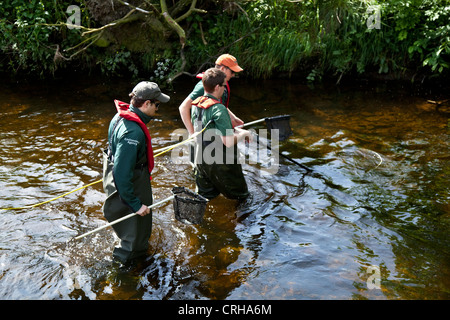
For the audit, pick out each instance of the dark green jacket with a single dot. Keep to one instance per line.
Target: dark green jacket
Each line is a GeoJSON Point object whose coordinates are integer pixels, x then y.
{"type": "Point", "coordinates": [221, 174]}
{"type": "Point", "coordinates": [127, 146]}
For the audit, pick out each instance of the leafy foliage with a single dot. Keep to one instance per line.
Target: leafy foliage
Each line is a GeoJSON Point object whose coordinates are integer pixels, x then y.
{"type": "Point", "coordinates": [336, 37]}
{"type": "Point", "coordinates": [309, 37]}
{"type": "Point", "coordinates": [30, 36]}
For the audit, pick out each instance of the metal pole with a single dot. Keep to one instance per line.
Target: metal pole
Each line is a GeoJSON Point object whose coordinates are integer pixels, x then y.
{"type": "Point", "coordinates": [250, 123]}
{"type": "Point", "coordinates": [121, 219]}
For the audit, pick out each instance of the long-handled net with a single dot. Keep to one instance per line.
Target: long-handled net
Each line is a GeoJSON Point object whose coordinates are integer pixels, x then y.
{"type": "Point", "coordinates": [188, 206]}
{"type": "Point", "coordinates": [361, 158]}
{"type": "Point", "coordinates": [280, 123]}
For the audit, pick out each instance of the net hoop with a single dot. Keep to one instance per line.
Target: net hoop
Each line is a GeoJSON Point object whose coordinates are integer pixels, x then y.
{"type": "Point", "coordinates": [280, 123]}
{"type": "Point", "coordinates": [188, 206]}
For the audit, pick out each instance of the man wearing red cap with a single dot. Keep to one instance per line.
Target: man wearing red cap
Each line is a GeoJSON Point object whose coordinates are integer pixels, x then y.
{"type": "Point", "coordinates": [228, 64]}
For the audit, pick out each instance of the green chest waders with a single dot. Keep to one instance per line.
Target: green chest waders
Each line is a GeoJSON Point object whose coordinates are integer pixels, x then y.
{"type": "Point", "coordinates": [219, 178]}
{"type": "Point", "coordinates": [134, 232]}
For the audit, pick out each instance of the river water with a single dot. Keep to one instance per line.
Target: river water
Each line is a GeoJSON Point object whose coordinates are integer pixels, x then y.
{"type": "Point", "coordinates": [371, 221]}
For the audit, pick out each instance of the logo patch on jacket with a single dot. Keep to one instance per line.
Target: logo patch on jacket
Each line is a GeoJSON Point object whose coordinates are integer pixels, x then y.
{"type": "Point", "coordinates": [132, 141]}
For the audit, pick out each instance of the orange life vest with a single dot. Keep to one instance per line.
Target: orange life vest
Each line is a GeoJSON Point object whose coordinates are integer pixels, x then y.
{"type": "Point", "coordinates": [205, 102]}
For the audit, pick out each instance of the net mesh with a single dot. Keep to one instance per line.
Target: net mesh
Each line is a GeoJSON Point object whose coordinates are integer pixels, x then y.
{"type": "Point", "coordinates": [280, 123]}
{"type": "Point", "coordinates": [188, 205]}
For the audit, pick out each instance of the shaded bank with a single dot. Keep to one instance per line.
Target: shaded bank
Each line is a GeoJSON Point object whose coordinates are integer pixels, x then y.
{"type": "Point", "coordinates": [151, 39]}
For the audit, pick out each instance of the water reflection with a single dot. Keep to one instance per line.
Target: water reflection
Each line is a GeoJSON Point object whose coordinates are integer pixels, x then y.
{"type": "Point", "coordinates": [377, 196]}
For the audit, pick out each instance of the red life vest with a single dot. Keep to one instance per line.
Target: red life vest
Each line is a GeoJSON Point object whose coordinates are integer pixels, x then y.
{"type": "Point", "coordinates": [200, 75]}
{"type": "Point", "coordinates": [124, 112]}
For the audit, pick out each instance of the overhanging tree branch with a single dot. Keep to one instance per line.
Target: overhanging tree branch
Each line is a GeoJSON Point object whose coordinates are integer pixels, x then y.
{"type": "Point", "coordinates": [127, 18]}
{"type": "Point", "coordinates": [172, 23]}
{"type": "Point", "coordinates": [92, 35]}
{"type": "Point", "coordinates": [189, 12]}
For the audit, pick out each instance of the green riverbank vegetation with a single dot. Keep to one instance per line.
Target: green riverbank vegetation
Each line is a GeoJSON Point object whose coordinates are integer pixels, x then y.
{"type": "Point", "coordinates": [163, 39]}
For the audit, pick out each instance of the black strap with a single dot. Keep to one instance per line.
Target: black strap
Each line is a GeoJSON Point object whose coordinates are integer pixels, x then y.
{"type": "Point", "coordinates": [110, 155]}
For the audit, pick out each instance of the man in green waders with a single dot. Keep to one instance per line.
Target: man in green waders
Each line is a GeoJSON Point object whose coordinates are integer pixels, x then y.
{"type": "Point", "coordinates": [127, 165]}
{"type": "Point", "coordinates": [217, 170]}
{"type": "Point", "coordinates": [229, 65]}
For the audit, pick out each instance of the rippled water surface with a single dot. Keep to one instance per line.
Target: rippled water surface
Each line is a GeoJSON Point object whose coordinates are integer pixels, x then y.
{"type": "Point", "coordinates": [375, 206]}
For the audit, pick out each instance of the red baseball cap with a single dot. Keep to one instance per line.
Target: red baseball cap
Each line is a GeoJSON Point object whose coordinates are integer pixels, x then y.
{"type": "Point", "coordinates": [229, 61]}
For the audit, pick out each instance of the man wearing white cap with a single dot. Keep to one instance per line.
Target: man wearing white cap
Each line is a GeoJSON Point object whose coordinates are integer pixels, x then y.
{"type": "Point", "coordinates": [127, 165]}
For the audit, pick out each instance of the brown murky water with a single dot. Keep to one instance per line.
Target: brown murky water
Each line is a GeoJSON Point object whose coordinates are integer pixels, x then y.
{"type": "Point", "coordinates": [370, 222]}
